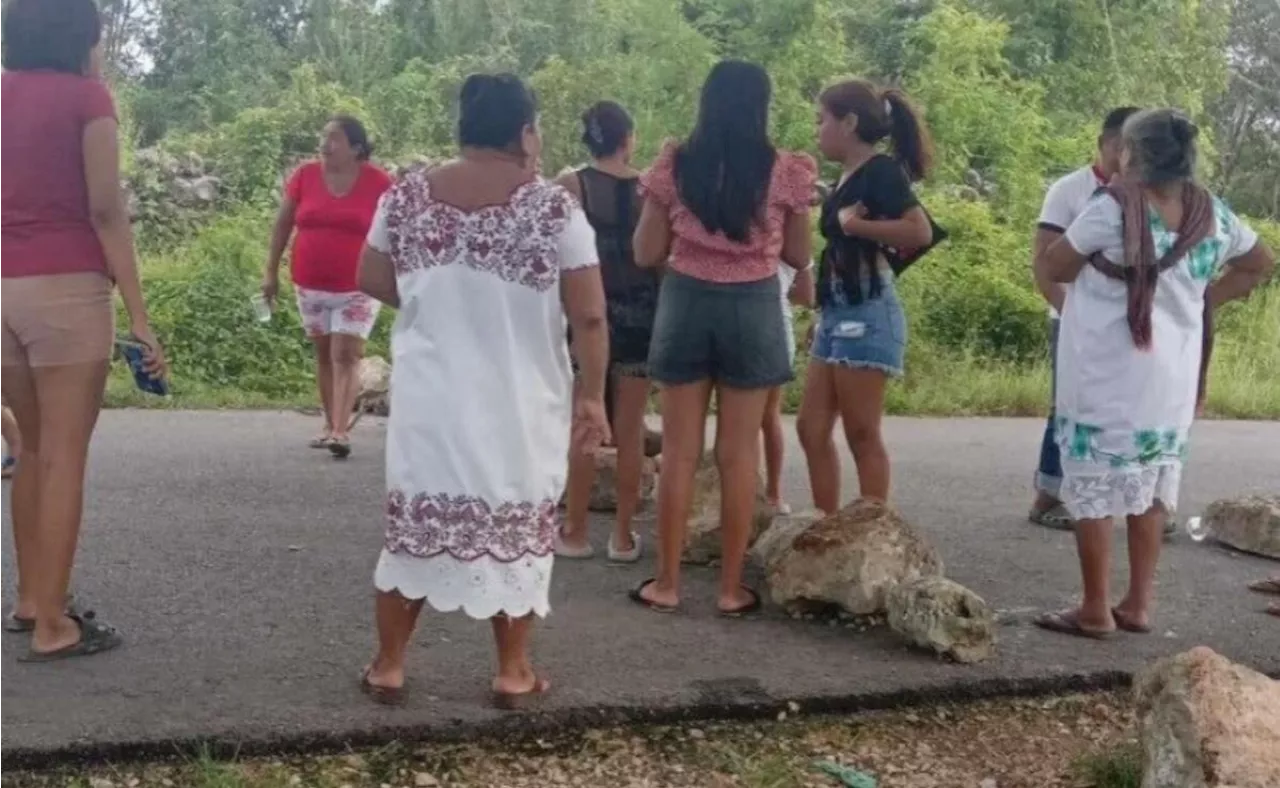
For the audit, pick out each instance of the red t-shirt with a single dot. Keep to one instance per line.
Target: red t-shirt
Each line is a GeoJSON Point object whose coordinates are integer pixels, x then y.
{"type": "Point", "coordinates": [330, 231]}
{"type": "Point", "coordinates": [44, 224]}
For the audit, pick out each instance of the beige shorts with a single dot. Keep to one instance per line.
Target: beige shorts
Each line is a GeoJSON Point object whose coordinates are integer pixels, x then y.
{"type": "Point", "coordinates": [52, 321]}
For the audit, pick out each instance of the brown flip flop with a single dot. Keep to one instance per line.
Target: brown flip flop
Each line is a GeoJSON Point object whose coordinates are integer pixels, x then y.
{"type": "Point", "coordinates": [1128, 624]}
{"type": "Point", "coordinates": [385, 696]}
{"type": "Point", "coordinates": [1269, 586]}
{"type": "Point", "coordinates": [1068, 623]}
{"type": "Point", "coordinates": [522, 701]}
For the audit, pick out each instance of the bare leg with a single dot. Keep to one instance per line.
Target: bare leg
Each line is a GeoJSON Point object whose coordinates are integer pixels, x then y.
{"type": "Point", "coordinates": [774, 447]}
{"type": "Point", "coordinates": [684, 417]}
{"type": "Point", "coordinates": [860, 393]}
{"type": "Point", "coordinates": [69, 399]}
{"type": "Point", "coordinates": [631, 399]}
{"type": "Point", "coordinates": [324, 379]}
{"type": "Point", "coordinates": [515, 669]}
{"type": "Point", "coordinates": [24, 495]}
{"type": "Point", "coordinates": [1093, 542]}
{"type": "Point", "coordinates": [815, 426]}
{"type": "Point", "coordinates": [1146, 533]}
{"type": "Point", "coordinates": [582, 477]}
{"type": "Point", "coordinates": [396, 618]}
{"type": "Point", "coordinates": [347, 351]}
{"type": "Point", "coordinates": [738, 422]}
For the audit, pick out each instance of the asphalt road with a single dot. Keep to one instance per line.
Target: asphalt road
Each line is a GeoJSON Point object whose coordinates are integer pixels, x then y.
{"type": "Point", "coordinates": [238, 565]}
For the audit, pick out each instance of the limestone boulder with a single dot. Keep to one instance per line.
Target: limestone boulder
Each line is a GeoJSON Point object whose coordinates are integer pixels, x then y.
{"type": "Point", "coordinates": [702, 535]}
{"type": "Point", "coordinates": [851, 559]}
{"type": "Point", "coordinates": [776, 540]}
{"type": "Point", "coordinates": [604, 492]}
{"type": "Point", "coordinates": [1249, 524]}
{"type": "Point", "coordinates": [943, 616]}
{"type": "Point", "coordinates": [374, 376]}
{"type": "Point", "coordinates": [1206, 722]}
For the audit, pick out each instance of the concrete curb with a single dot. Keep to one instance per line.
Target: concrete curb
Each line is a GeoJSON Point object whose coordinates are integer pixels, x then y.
{"type": "Point", "coordinates": [718, 702]}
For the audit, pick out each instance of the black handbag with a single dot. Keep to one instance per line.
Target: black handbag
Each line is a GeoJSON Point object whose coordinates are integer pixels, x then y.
{"type": "Point", "coordinates": [901, 259]}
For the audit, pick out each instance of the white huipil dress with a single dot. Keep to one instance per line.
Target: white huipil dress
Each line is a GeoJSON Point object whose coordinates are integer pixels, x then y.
{"type": "Point", "coordinates": [478, 437]}
{"type": "Point", "coordinates": [1124, 414]}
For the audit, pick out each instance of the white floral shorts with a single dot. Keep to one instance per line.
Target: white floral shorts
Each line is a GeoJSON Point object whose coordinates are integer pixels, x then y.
{"type": "Point", "coordinates": [336, 313]}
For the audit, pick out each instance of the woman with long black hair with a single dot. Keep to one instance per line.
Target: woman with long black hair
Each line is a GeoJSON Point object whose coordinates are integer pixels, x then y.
{"type": "Point", "coordinates": [721, 209]}
{"type": "Point", "coordinates": [860, 338]}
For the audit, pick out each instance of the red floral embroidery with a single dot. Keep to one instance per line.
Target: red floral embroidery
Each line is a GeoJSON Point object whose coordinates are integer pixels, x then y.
{"type": "Point", "coordinates": [517, 241]}
{"type": "Point", "coordinates": [467, 527]}
{"type": "Point", "coordinates": [358, 310]}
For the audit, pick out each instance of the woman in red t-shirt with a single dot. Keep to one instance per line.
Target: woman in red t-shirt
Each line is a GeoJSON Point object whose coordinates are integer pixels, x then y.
{"type": "Point", "coordinates": [67, 241]}
{"type": "Point", "coordinates": [331, 203]}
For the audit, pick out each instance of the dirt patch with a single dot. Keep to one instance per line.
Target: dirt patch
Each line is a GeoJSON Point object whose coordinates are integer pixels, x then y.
{"type": "Point", "coordinates": [1030, 743]}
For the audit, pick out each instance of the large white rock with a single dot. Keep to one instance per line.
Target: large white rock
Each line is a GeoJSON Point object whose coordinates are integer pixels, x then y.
{"type": "Point", "coordinates": [941, 615]}
{"type": "Point", "coordinates": [374, 376]}
{"type": "Point", "coordinates": [851, 559]}
{"type": "Point", "coordinates": [776, 540]}
{"type": "Point", "coordinates": [604, 491]}
{"type": "Point", "coordinates": [702, 533]}
{"type": "Point", "coordinates": [1248, 524]}
{"type": "Point", "coordinates": [1206, 722]}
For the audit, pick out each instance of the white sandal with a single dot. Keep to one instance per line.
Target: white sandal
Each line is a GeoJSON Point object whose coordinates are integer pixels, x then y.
{"type": "Point", "coordinates": [617, 556]}
{"type": "Point", "coordinates": [576, 553]}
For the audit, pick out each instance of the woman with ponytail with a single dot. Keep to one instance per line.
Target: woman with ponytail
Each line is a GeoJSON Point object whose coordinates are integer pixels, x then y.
{"type": "Point", "coordinates": [1141, 263]}
{"type": "Point", "coordinates": [608, 190]}
{"type": "Point", "coordinates": [869, 215]}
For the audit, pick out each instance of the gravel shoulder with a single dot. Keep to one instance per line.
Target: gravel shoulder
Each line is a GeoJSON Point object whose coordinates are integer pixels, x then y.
{"type": "Point", "coordinates": [1029, 743]}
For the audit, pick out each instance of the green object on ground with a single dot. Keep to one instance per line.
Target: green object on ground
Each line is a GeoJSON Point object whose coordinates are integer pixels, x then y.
{"type": "Point", "coordinates": [847, 775]}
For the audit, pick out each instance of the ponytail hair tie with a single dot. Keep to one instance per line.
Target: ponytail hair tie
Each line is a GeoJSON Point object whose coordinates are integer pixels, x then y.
{"type": "Point", "coordinates": [888, 108]}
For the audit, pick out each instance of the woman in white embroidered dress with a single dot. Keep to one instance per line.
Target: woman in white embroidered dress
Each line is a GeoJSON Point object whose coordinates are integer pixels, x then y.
{"type": "Point", "coordinates": [483, 259]}
{"type": "Point", "coordinates": [1140, 262]}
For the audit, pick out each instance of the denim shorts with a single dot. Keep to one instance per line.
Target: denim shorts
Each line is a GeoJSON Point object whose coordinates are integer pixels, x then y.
{"type": "Point", "coordinates": [871, 334]}
{"type": "Point", "coordinates": [732, 334]}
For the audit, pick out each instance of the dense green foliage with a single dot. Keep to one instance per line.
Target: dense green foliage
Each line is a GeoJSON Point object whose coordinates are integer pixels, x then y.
{"type": "Point", "coordinates": [1013, 91]}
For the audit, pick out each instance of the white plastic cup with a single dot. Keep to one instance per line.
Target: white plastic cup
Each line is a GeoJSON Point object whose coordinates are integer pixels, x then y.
{"type": "Point", "coordinates": [1197, 530]}
{"type": "Point", "coordinates": [261, 308]}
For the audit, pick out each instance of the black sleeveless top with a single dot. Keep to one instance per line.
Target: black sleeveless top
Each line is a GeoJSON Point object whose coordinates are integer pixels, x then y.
{"type": "Point", "coordinates": [612, 206]}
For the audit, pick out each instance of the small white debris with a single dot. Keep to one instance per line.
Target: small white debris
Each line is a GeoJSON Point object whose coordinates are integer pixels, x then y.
{"type": "Point", "coordinates": [424, 780]}
{"type": "Point", "coordinates": [696, 733]}
{"type": "Point", "coordinates": [793, 707]}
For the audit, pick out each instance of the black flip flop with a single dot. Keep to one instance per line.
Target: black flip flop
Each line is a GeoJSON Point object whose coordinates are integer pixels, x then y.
{"type": "Point", "coordinates": [1068, 623]}
{"type": "Point", "coordinates": [636, 596]}
{"type": "Point", "coordinates": [385, 696]}
{"type": "Point", "coordinates": [522, 701]}
{"type": "Point", "coordinates": [95, 637]}
{"type": "Point", "coordinates": [753, 606]}
{"type": "Point", "coordinates": [340, 449]}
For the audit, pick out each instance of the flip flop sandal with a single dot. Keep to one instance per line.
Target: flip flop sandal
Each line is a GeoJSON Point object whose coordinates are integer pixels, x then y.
{"type": "Point", "coordinates": [385, 696]}
{"type": "Point", "coordinates": [564, 550]}
{"type": "Point", "coordinates": [1273, 610]}
{"type": "Point", "coordinates": [1268, 586]}
{"type": "Point", "coordinates": [1068, 623]}
{"type": "Point", "coordinates": [625, 556]}
{"type": "Point", "coordinates": [636, 595]}
{"type": "Point", "coordinates": [16, 623]}
{"type": "Point", "coordinates": [1055, 517]}
{"type": "Point", "coordinates": [95, 637]}
{"type": "Point", "coordinates": [753, 606]}
{"type": "Point", "coordinates": [320, 442]}
{"type": "Point", "coordinates": [1128, 624]}
{"type": "Point", "coordinates": [522, 701]}
{"type": "Point", "coordinates": [340, 449]}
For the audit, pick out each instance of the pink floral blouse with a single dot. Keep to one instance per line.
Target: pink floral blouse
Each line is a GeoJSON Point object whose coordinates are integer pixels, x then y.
{"type": "Point", "coordinates": [713, 257]}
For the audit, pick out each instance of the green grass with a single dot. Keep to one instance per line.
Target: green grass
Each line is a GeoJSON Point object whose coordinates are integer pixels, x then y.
{"type": "Point", "coordinates": [1117, 768]}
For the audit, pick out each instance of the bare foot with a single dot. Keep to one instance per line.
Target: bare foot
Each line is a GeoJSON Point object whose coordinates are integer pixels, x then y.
{"type": "Point", "coordinates": [381, 675]}
{"type": "Point", "coordinates": [1044, 502]}
{"type": "Point", "coordinates": [67, 633]}
{"type": "Point", "coordinates": [522, 683]}
{"type": "Point", "coordinates": [651, 594]}
{"type": "Point", "coordinates": [743, 600]}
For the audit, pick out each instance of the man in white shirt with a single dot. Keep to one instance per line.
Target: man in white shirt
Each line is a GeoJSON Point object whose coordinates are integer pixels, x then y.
{"type": "Point", "coordinates": [1064, 201]}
